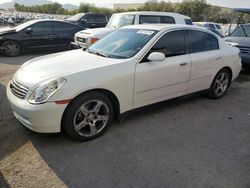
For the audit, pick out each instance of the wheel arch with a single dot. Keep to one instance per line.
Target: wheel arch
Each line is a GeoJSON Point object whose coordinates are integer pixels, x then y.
{"type": "Point", "coordinates": [112, 97]}
{"type": "Point", "coordinates": [228, 69]}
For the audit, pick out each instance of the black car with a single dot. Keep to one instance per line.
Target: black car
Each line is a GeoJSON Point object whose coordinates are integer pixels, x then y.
{"type": "Point", "coordinates": [89, 20]}
{"type": "Point", "coordinates": [240, 38]}
{"type": "Point", "coordinates": [37, 35]}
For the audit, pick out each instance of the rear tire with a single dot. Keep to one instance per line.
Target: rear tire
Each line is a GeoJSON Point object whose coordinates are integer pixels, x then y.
{"type": "Point", "coordinates": [220, 84]}
{"type": "Point", "coordinates": [88, 116]}
{"type": "Point", "coordinates": [12, 48]}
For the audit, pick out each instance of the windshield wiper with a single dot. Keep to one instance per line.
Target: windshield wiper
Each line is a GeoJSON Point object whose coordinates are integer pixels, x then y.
{"type": "Point", "coordinates": [99, 53]}
{"type": "Point", "coordinates": [243, 28]}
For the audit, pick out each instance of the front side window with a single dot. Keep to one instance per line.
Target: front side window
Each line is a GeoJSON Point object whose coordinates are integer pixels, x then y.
{"type": "Point", "coordinates": [147, 19]}
{"type": "Point", "coordinates": [241, 31]}
{"type": "Point", "coordinates": [42, 27]}
{"type": "Point", "coordinates": [200, 41]}
{"type": "Point", "coordinates": [171, 44]}
{"type": "Point", "coordinates": [123, 43]}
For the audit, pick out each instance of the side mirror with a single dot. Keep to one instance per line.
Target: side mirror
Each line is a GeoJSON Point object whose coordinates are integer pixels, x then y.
{"type": "Point", "coordinates": [156, 56]}
{"type": "Point", "coordinates": [83, 20]}
{"type": "Point", "coordinates": [29, 30]}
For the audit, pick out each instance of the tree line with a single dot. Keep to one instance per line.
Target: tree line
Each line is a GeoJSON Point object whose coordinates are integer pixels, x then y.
{"type": "Point", "coordinates": [198, 10]}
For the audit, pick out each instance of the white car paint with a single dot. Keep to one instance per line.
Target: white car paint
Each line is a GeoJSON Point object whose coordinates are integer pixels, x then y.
{"type": "Point", "coordinates": [101, 32]}
{"type": "Point", "coordinates": [134, 84]}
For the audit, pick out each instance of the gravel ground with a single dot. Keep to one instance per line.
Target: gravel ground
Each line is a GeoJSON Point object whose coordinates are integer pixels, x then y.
{"type": "Point", "coordinates": [191, 142]}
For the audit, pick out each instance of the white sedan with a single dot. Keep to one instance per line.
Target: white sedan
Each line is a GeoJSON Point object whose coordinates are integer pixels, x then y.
{"type": "Point", "coordinates": [80, 92]}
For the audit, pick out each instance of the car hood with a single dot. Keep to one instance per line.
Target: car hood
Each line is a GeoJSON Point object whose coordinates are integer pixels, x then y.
{"type": "Point", "coordinates": [7, 30]}
{"type": "Point", "coordinates": [98, 32]}
{"type": "Point", "coordinates": [242, 41]}
{"type": "Point", "coordinates": [59, 65]}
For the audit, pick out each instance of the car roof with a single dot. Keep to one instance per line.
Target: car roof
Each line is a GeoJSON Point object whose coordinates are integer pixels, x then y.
{"type": "Point", "coordinates": [51, 20]}
{"type": "Point", "coordinates": [154, 13]}
{"type": "Point", "coordinates": [159, 27]}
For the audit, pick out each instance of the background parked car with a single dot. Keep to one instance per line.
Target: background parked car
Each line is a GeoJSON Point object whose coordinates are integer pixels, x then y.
{"type": "Point", "coordinates": [85, 38]}
{"type": "Point", "coordinates": [37, 35]}
{"type": "Point", "coordinates": [210, 25]}
{"type": "Point", "coordinates": [241, 39]}
{"type": "Point", "coordinates": [89, 20]}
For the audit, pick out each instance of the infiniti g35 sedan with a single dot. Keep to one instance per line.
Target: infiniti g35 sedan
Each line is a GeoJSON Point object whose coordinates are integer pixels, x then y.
{"type": "Point", "coordinates": [80, 92]}
{"type": "Point", "coordinates": [37, 35]}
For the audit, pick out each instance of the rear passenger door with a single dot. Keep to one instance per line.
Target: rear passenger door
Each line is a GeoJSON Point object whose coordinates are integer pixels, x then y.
{"type": "Point", "coordinates": [205, 55]}
{"type": "Point", "coordinates": [63, 34]}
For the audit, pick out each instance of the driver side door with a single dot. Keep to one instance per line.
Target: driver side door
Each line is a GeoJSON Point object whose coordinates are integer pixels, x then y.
{"type": "Point", "coordinates": [161, 80]}
{"type": "Point", "coordinates": [40, 36]}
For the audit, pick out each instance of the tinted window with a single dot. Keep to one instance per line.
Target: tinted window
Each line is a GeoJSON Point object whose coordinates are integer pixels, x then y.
{"type": "Point", "coordinates": [167, 19]}
{"type": "Point", "coordinates": [42, 27]}
{"type": "Point", "coordinates": [239, 32]}
{"type": "Point", "coordinates": [218, 26]}
{"type": "Point", "coordinates": [209, 26]}
{"type": "Point", "coordinates": [188, 22]}
{"type": "Point", "coordinates": [99, 18]}
{"type": "Point", "coordinates": [171, 44]}
{"type": "Point", "coordinates": [63, 27]}
{"type": "Point", "coordinates": [201, 41]}
{"type": "Point", "coordinates": [147, 19]}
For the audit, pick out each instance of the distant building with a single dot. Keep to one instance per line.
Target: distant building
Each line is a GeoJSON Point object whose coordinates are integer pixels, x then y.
{"type": "Point", "coordinates": [127, 6]}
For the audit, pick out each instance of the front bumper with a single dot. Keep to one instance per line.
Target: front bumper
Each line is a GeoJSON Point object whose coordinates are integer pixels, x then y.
{"type": "Point", "coordinates": [76, 45]}
{"type": "Point", "coordinates": [42, 118]}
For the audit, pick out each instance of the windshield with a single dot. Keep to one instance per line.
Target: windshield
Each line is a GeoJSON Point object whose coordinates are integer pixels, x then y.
{"type": "Point", "coordinates": [241, 31]}
{"type": "Point", "coordinates": [122, 44]}
{"type": "Point", "coordinates": [24, 25]}
{"type": "Point", "coordinates": [120, 20]}
{"type": "Point", "coordinates": [76, 17]}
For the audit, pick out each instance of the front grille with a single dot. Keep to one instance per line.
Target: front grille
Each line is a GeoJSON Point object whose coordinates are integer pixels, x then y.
{"type": "Point", "coordinates": [244, 50]}
{"type": "Point", "coordinates": [18, 90]}
{"type": "Point", "coordinates": [82, 40]}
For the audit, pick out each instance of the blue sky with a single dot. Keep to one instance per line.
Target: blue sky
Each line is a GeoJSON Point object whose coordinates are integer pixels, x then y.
{"type": "Point", "coordinates": [109, 3]}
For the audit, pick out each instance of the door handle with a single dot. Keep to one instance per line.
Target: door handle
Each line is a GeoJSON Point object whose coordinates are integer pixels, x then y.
{"type": "Point", "coordinates": [218, 57]}
{"type": "Point", "coordinates": [182, 64]}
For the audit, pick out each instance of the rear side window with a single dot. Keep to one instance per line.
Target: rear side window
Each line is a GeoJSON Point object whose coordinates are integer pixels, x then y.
{"type": "Point", "coordinates": [99, 18]}
{"type": "Point", "coordinates": [93, 18]}
{"type": "Point", "coordinates": [64, 27]}
{"type": "Point", "coordinates": [218, 26]}
{"type": "Point", "coordinates": [171, 44]}
{"type": "Point", "coordinates": [200, 42]}
{"type": "Point", "coordinates": [209, 26]}
{"type": "Point", "coordinates": [188, 22]}
{"type": "Point", "coordinates": [147, 19]}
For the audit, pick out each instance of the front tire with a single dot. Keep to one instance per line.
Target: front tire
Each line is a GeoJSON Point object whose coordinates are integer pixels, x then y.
{"type": "Point", "coordinates": [12, 48]}
{"type": "Point", "coordinates": [88, 116]}
{"type": "Point", "coordinates": [220, 84]}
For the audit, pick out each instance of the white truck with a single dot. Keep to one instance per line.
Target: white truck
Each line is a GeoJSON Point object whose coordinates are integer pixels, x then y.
{"type": "Point", "coordinates": [85, 38]}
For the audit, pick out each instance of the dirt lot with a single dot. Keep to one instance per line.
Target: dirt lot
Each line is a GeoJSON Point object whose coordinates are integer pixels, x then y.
{"type": "Point", "coordinates": [191, 142]}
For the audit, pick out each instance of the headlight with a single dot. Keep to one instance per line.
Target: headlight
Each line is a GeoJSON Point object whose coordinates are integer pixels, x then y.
{"type": "Point", "coordinates": [45, 90]}
{"type": "Point", "coordinates": [233, 43]}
